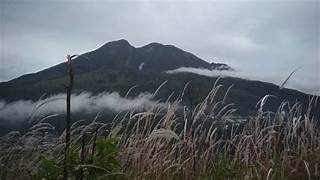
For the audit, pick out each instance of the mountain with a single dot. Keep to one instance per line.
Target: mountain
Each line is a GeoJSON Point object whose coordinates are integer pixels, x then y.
{"type": "Point", "coordinates": [118, 66]}
{"type": "Point", "coordinates": [109, 61]}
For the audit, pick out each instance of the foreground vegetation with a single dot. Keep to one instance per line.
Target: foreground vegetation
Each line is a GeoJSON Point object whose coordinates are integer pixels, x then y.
{"type": "Point", "coordinates": [173, 142]}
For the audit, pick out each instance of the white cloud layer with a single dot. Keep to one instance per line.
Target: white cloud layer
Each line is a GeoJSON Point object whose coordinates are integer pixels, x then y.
{"type": "Point", "coordinates": [85, 103]}
{"type": "Point", "coordinates": [269, 77]}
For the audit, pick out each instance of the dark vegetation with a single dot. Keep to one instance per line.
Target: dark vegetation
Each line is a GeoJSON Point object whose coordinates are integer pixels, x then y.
{"type": "Point", "coordinates": [174, 142]}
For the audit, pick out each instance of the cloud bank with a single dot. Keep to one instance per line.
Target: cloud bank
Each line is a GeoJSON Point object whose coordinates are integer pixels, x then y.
{"type": "Point", "coordinates": [85, 103]}
{"type": "Point", "coordinates": [293, 82]}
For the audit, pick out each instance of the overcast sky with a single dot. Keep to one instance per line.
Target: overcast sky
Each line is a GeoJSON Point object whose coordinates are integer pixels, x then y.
{"type": "Point", "coordinates": [267, 39]}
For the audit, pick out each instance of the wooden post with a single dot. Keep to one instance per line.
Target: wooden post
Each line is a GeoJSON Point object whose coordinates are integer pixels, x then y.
{"type": "Point", "coordinates": [68, 119]}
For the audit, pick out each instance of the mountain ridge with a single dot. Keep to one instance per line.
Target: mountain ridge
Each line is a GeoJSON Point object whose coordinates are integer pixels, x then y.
{"type": "Point", "coordinates": [131, 56]}
{"type": "Point", "coordinates": [117, 66]}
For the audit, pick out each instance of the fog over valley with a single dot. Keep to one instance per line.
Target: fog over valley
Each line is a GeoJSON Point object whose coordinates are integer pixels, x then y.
{"type": "Point", "coordinates": [84, 103]}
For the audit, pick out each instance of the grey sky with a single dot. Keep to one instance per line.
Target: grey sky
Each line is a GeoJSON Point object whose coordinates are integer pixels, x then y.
{"type": "Point", "coordinates": [267, 39]}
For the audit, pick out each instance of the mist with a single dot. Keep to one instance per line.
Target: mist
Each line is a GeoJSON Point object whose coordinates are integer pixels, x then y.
{"type": "Point", "coordinates": [295, 81]}
{"type": "Point", "coordinates": [85, 102]}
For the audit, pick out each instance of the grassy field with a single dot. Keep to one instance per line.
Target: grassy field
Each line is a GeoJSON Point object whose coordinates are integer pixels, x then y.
{"type": "Point", "coordinates": [208, 141]}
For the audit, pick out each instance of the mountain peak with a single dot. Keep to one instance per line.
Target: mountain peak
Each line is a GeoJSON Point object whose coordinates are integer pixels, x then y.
{"type": "Point", "coordinates": [117, 43]}
{"type": "Point", "coordinates": [157, 45]}
{"type": "Point", "coordinates": [153, 44]}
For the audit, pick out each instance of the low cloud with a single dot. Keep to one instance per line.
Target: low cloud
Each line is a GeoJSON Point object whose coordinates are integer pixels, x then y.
{"type": "Point", "coordinates": [215, 73]}
{"type": "Point", "coordinates": [294, 82]}
{"type": "Point", "coordinates": [85, 103]}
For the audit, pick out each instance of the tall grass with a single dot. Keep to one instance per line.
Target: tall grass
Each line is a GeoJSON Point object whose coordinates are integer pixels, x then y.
{"type": "Point", "coordinates": [211, 143]}
{"type": "Point", "coordinates": [176, 142]}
